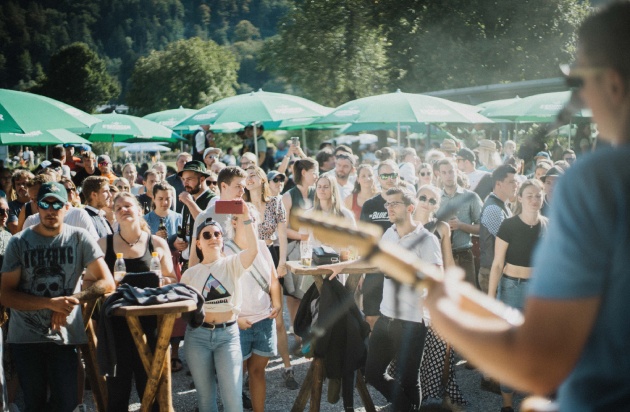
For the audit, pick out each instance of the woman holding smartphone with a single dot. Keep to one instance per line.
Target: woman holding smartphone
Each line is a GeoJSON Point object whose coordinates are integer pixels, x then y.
{"type": "Point", "coordinates": [213, 350]}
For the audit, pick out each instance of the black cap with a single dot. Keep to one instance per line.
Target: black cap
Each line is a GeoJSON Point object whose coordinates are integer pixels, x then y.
{"type": "Point", "coordinates": [195, 166]}
{"type": "Point", "coordinates": [467, 154]}
{"type": "Point", "coordinates": [554, 172]}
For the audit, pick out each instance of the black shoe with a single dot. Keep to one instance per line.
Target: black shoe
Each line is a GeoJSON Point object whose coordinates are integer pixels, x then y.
{"type": "Point", "coordinates": [289, 379]}
{"type": "Point", "coordinates": [247, 403]}
{"type": "Point", "coordinates": [507, 409]}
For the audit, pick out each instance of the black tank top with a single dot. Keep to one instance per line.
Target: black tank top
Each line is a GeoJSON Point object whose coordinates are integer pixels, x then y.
{"type": "Point", "coordinates": [133, 265]}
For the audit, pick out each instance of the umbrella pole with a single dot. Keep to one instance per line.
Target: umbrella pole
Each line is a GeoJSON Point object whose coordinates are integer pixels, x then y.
{"type": "Point", "coordinates": [570, 130]}
{"type": "Point", "coordinates": [256, 144]}
{"type": "Point", "coordinates": [304, 140]}
{"type": "Point", "coordinates": [398, 134]}
{"type": "Point", "coordinates": [428, 137]}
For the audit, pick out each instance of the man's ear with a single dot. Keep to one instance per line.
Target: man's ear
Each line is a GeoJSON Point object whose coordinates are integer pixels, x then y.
{"type": "Point", "coordinates": [617, 86]}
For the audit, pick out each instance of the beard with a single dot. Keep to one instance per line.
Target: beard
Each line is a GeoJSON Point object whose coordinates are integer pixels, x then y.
{"type": "Point", "coordinates": [192, 190]}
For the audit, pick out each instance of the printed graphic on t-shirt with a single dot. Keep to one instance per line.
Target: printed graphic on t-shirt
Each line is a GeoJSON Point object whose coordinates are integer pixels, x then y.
{"type": "Point", "coordinates": [214, 292]}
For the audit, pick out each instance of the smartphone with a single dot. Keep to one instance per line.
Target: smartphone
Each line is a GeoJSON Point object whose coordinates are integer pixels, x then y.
{"type": "Point", "coordinates": [229, 207]}
{"type": "Point", "coordinates": [295, 141]}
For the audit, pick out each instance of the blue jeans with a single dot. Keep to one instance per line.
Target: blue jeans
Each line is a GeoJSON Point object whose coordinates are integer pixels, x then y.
{"type": "Point", "coordinates": [215, 354]}
{"type": "Point", "coordinates": [40, 365]}
{"type": "Point", "coordinates": [512, 292]}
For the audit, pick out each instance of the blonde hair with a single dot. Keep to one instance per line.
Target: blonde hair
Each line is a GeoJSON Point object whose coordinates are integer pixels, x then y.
{"type": "Point", "coordinates": [143, 224]}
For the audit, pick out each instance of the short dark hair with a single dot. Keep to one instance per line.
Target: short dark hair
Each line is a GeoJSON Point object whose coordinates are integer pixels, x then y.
{"type": "Point", "coordinates": [445, 161]}
{"type": "Point", "coordinates": [323, 156]}
{"type": "Point", "coordinates": [58, 152]}
{"type": "Point", "coordinates": [501, 173]}
{"type": "Point", "coordinates": [227, 174]}
{"type": "Point", "coordinates": [407, 197]}
{"type": "Point", "coordinates": [343, 148]}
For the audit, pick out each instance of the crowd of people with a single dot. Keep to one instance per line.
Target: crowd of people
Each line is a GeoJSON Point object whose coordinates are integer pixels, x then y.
{"type": "Point", "coordinates": [478, 208]}
{"type": "Point", "coordinates": [437, 205]}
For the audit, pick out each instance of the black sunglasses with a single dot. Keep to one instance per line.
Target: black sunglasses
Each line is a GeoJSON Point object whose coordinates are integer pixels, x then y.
{"type": "Point", "coordinates": [278, 179]}
{"type": "Point", "coordinates": [209, 235]}
{"type": "Point", "coordinates": [432, 201]}
{"type": "Point", "coordinates": [56, 205]}
{"type": "Point", "coordinates": [213, 182]}
{"type": "Point", "coordinates": [4, 212]}
{"type": "Point", "coordinates": [425, 174]}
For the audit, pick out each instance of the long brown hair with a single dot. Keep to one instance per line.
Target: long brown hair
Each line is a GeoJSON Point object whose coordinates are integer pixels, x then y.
{"type": "Point", "coordinates": [335, 198]}
{"type": "Point", "coordinates": [357, 185]}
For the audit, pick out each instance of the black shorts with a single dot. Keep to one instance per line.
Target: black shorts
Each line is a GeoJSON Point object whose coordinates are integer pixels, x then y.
{"type": "Point", "coordinates": [372, 293]}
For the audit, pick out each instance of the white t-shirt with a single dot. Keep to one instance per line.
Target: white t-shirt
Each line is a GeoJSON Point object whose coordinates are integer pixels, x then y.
{"type": "Point", "coordinates": [256, 304]}
{"type": "Point", "coordinates": [475, 177]}
{"type": "Point", "coordinates": [76, 217]}
{"type": "Point", "coordinates": [219, 283]}
{"type": "Point", "coordinates": [408, 173]}
{"type": "Point", "coordinates": [407, 303]}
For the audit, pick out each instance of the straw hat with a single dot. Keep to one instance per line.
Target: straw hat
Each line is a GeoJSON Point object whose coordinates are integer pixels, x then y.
{"type": "Point", "coordinates": [448, 145]}
{"type": "Point", "coordinates": [487, 144]}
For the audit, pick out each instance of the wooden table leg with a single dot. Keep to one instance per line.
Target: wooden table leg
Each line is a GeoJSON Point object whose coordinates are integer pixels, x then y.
{"type": "Point", "coordinates": [97, 381]}
{"type": "Point", "coordinates": [318, 381]}
{"type": "Point", "coordinates": [303, 394]}
{"type": "Point", "coordinates": [154, 364]}
{"type": "Point", "coordinates": [364, 394]}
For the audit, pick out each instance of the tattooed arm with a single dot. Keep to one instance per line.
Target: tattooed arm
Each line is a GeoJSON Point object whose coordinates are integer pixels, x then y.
{"type": "Point", "coordinates": [97, 281]}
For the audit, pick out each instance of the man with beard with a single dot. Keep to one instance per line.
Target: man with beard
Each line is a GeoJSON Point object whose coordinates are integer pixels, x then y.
{"type": "Point", "coordinates": [40, 273]}
{"type": "Point", "coordinates": [97, 197]}
{"type": "Point", "coordinates": [19, 179]}
{"type": "Point", "coordinates": [344, 168]}
{"type": "Point", "coordinates": [195, 199]}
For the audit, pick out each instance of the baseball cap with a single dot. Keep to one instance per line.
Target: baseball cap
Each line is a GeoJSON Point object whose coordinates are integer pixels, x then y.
{"type": "Point", "coordinates": [208, 222]}
{"type": "Point", "coordinates": [553, 172]}
{"type": "Point", "coordinates": [53, 189]}
{"type": "Point", "coordinates": [467, 154]}
{"type": "Point", "coordinates": [272, 174]}
{"type": "Point", "coordinates": [542, 154]}
{"type": "Point", "coordinates": [103, 159]}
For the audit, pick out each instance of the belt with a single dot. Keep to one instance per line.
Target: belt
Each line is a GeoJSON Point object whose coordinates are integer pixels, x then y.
{"type": "Point", "coordinates": [457, 252]}
{"type": "Point", "coordinates": [515, 279]}
{"type": "Point", "coordinates": [217, 325]}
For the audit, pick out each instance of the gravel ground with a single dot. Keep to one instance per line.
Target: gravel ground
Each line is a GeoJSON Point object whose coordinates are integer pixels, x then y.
{"type": "Point", "coordinates": [280, 399]}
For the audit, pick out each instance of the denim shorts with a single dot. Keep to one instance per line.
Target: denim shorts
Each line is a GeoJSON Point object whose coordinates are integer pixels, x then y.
{"type": "Point", "coordinates": [259, 339]}
{"type": "Point", "coordinates": [512, 291]}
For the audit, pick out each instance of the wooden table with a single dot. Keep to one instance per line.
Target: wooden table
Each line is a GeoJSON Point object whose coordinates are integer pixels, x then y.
{"type": "Point", "coordinates": [314, 380]}
{"type": "Point", "coordinates": [158, 364]}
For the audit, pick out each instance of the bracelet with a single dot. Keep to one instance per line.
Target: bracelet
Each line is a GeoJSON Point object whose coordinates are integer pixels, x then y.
{"type": "Point", "coordinates": [247, 222]}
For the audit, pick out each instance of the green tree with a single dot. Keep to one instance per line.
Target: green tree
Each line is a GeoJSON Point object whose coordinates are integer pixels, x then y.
{"type": "Point", "coordinates": [77, 76]}
{"type": "Point", "coordinates": [330, 50]}
{"type": "Point", "coordinates": [192, 73]}
{"type": "Point", "coordinates": [461, 43]}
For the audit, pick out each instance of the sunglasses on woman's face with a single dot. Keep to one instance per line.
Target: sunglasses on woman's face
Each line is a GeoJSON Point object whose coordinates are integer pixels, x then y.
{"type": "Point", "coordinates": [423, 174]}
{"type": "Point", "coordinates": [278, 179]}
{"type": "Point", "coordinates": [432, 201]}
{"type": "Point", "coordinates": [209, 235]}
{"type": "Point", "coordinates": [4, 212]}
{"type": "Point", "coordinates": [56, 205]}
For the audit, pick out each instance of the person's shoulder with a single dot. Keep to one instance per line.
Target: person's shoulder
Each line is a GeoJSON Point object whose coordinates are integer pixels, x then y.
{"type": "Point", "coordinates": [374, 199]}
{"type": "Point", "coordinates": [75, 230]}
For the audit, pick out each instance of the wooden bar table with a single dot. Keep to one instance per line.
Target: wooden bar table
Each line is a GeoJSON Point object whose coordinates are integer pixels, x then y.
{"type": "Point", "coordinates": [158, 364]}
{"type": "Point", "coordinates": [314, 380]}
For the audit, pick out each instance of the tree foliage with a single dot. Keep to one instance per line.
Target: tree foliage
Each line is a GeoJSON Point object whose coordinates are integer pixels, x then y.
{"type": "Point", "coordinates": [78, 77]}
{"type": "Point", "coordinates": [192, 73]}
{"type": "Point", "coordinates": [329, 50]}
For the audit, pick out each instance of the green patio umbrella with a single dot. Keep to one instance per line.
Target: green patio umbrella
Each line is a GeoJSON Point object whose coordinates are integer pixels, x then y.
{"type": "Point", "coordinates": [400, 108]}
{"type": "Point", "coordinates": [255, 107]}
{"type": "Point", "coordinates": [170, 118]}
{"type": "Point", "coordinates": [41, 138]}
{"type": "Point", "coordinates": [116, 127]}
{"type": "Point", "coordinates": [22, 112]}
{"type": "Point", "coordinates": [540, 108]}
